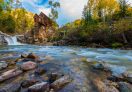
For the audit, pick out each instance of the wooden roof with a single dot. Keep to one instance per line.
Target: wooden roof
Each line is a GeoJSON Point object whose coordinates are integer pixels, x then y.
{"type": "Point", "coordinates": [43, 19]}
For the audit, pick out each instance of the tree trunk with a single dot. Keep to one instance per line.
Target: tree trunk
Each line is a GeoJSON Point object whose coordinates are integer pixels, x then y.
{"type": "Point", "coordinates": [124, 38]}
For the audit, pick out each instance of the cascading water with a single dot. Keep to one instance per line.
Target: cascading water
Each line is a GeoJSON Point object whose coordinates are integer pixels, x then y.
{"type": "Point", "coordinates": [12, 40]}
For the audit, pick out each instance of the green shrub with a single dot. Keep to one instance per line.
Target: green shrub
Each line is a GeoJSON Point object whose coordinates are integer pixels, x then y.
{"type": "Point", "coordinates": [122, 25]}
{"type": "Point", "coordinates": [117, 45]}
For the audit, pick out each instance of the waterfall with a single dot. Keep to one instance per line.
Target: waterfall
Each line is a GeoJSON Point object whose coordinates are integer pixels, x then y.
{"type": "Point", "coordinates": [12, 40]}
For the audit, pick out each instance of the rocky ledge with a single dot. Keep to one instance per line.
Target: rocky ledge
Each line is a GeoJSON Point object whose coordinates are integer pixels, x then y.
{"type": "Point", "coordinates": [2, 38]}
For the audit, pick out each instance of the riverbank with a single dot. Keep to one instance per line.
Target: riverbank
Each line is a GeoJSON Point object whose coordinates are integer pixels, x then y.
{"type": "Point", "coordinates": [99, 39]}
{"type": "Point", "coordinates": [72, 43]}
{"type": "Point", "coordinates": [92, 45]}
{"type": "Point", "coordinates": [89, 43]}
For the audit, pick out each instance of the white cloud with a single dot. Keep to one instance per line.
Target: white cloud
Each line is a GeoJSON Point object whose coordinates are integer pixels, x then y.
{"type": "Point", "coordinates": [45, 10]}
{"type": "Point", "coordinates": [72, 8]}
{"type": "Point", "coordinates": [130, 1]}
{"type": "Point", "coordinates": [33, 7]}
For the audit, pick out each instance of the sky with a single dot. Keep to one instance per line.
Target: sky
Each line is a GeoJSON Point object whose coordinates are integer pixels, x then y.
{"type": "Point", "coordinates": [69, 11]}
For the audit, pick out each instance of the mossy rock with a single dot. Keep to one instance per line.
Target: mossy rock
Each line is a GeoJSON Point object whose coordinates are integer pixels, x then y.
{"type": "Point", "coordinates": [85, 60]}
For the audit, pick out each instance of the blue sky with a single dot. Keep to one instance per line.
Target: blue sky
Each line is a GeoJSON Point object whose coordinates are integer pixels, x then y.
{"type": "Point", "coordinates": [70, 9]}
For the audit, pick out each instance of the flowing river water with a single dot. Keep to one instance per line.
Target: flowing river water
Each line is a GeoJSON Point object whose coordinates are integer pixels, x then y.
{"type": "Point", "coordinates": [67, 59]}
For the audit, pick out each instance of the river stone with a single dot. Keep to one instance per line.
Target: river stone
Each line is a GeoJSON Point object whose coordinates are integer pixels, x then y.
{"type": "Point", "coordinates": [39, 87]}
{"type": "Point", "coordinates": [116, 71]}
{"type": "Point", "coordinates": [125, 87]}
{"type": "Point", "coordinates": [9, 74]}
{"type": "Point", "coordinates": [128, 77]}
{"type": "Point", "coordinates": [124, 77]}
{"type": "Point", "coordinates": [24, 56]}
{"type": "Point", "coordinates": [13, 87]}
{"type": "Point", "coordinates": [102, 87]}
{"type": "Point", "coordinates": [61, 82]}
{"type": "Point", "coordinates": [3, 65]}
{"type": "Point", "coordinates": [32, 56]}
{"type": "Point", "coordinates": [28, 65]}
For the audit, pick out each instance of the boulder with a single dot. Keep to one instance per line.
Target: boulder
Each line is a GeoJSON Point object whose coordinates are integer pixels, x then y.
{"type": "Point", "coordinates": [32, 56]}
{"type": "Point", "coordinates": [39, 87]}
{"type": "Point", "coordinates": [102, 87]}
{"type": "Point", "coordinates": [3, 64]}
{"type": "Point", "coordinates": [127, 77]}
{"type": "Point", "coordinates": [125, 87]}
{"type": "Point", "coordinates": [28, 83]}
{"type": "Point", "coordinates": [13, 87]}
{"type": "Point", "coordinates": [21, 38]}
{"type": "Point", "coordinates": [28, 65]}
{"type": "Point", "coordinates": [23, 56]}
{"type": "Point", "coordinates": [9, 74]}
{"type": "Point", "coordinates": [61, 82]}
{"type": "Point", "coordinates": [114, 69]}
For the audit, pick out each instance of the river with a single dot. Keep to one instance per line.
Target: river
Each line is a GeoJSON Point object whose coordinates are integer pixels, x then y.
{"type": "Point", "coordinates": [67, 59]}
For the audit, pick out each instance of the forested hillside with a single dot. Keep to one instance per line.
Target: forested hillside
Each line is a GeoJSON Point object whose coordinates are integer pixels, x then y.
{"type": "Point", "coordinates": [14, 18]}
{"type": "Point", "coordinates": [104, 22]}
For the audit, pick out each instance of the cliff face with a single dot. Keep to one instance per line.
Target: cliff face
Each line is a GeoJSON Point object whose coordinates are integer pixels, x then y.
{"type": "Point", "coordinates": [41, 31]}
